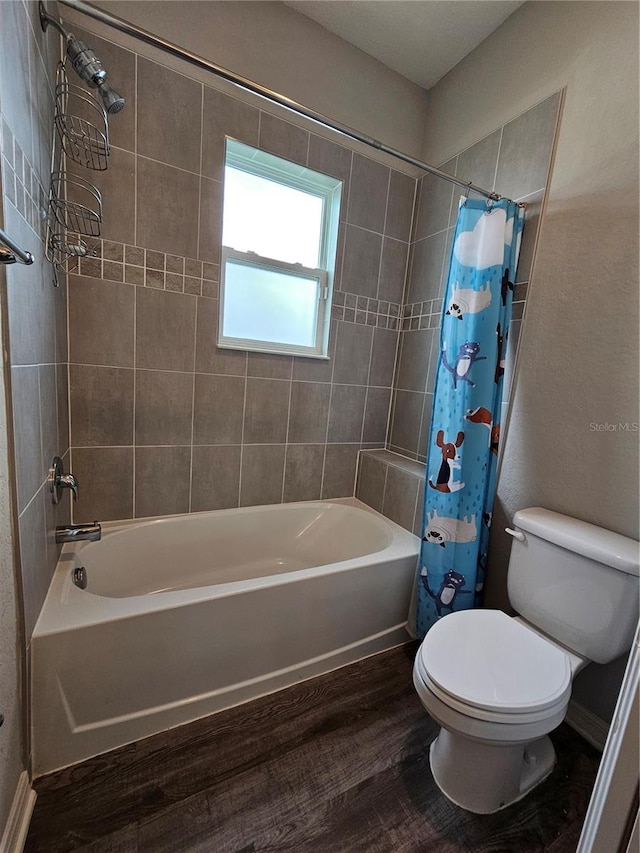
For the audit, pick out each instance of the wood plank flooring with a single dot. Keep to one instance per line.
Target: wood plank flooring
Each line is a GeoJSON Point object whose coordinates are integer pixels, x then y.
{"type": "Point", "coordinates": [337, 764]}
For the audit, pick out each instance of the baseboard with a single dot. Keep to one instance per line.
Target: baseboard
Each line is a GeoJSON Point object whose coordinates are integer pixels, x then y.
{"type": "Point", "coordinates": [587, 724]}
{"type": "Point", "coordinates": [15, 832]}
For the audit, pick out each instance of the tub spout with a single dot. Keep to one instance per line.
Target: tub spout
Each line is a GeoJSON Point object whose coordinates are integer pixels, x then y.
{"type": "Point", "coordinates": [78, 533]}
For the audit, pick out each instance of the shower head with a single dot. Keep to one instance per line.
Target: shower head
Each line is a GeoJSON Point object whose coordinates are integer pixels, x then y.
{"type": "Point", "coordinates": [85, 63]}
{"type": "Point", "coordinates": [113, 102]}
{"type": "Point", "coordinates": [89, 68]}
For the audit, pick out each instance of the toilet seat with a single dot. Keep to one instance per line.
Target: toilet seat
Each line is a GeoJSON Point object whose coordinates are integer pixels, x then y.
{"type": "Point", "coordinates": [486, 665]}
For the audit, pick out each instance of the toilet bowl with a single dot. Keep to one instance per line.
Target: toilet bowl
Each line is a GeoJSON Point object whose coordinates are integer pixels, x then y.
{"type": "Point", "coordinates": [497, 685]}
{"type": "Point", "coordinates": [497, 688]}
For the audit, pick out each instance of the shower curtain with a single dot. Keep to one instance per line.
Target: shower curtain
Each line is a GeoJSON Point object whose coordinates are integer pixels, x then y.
{"type": "Point", "coordinates": [464, 436]}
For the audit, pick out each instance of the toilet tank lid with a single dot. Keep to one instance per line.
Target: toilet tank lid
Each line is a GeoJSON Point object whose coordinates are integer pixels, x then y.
{"type": "Point", "coordinates": [596, 543]}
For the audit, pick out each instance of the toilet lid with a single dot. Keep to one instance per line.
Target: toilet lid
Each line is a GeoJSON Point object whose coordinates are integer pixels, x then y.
{"type": "Point", "coordinates": [487, 660]}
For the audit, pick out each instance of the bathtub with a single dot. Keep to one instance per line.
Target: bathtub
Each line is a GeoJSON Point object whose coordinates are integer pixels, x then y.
{"type": "Point", "coordinates": [187, 615]}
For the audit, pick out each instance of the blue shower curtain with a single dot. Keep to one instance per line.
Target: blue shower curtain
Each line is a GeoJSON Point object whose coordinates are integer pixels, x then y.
{"type": "Point", "coordinates": [465, 421]}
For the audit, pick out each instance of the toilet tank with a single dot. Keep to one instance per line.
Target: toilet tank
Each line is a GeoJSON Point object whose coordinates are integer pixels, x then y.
{"type": "Point", "coordinates": [576, 582]}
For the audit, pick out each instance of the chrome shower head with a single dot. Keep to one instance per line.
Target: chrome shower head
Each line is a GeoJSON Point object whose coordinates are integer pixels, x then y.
{"type": "Point", "coordinates": [113, 102]}
{"type": "Point", "coordinates": [89, 68]}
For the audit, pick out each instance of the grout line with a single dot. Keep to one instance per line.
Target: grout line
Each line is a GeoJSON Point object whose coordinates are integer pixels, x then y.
{"type": "Point", "coordinates": [227, 444]}
{"type": "Point", "coordinates": [244, 409]}
{"type": "Point", "coordinates": [386, 203]}
{"type": "Point", "coordinates": [133, 452]}
{"type": "Point", "coordinates": [284, 464]}
{"type": "Point", "coordinates": [384, 488]}
{"type": "Point", "coordinates": [200, 175]}
{"type": "Point", "coordinates": [193, 405]}
{"type": "Point", "coordinates": [135, 157]}
{"type": "Point", "coordinates": [326, 434]}
{"type": "Point", "coordinates": [366, 394]}
{"type": "Point", "coordinates": [171, 166]}
{"type": "Point", "coordinates": [223, 375]}
{"type": "Point", "coordinates": [415, 506]}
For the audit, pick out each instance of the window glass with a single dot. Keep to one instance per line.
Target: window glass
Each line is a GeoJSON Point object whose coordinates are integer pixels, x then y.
{"type": "Point", "coordinates": [269, 304]}
{"type": "Point", "coordinates": [279, 241]}
{"type": "Point", "coordinates": [271, 219]}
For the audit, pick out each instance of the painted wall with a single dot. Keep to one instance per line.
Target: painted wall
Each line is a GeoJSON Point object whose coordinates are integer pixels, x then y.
{"type": "Point", "coordinates": [34, 346]}
{"type": "Point", "coordinates": [283, 50]}
{"type": "Point", "coordinates": [578, 365]}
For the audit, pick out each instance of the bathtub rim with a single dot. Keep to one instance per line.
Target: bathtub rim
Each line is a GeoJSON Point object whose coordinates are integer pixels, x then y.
{"type": "Point", "coordinates": [66, 607]}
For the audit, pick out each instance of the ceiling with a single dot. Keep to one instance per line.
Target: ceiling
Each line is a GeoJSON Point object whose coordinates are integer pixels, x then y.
{"type": "Point", "coordinates": [420, 39]}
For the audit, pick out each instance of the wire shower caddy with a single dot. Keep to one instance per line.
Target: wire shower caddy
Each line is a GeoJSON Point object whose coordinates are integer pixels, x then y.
{"type": "Point", "coordinates": [80, 135]}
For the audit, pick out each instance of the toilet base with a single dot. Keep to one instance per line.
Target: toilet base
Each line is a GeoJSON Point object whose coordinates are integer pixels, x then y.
{"type": "Point", "coordinates": [484, 778]}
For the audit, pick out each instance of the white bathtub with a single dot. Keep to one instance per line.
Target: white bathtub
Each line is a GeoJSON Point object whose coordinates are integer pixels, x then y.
{"type": "Point", "coordinates": [187, 615]}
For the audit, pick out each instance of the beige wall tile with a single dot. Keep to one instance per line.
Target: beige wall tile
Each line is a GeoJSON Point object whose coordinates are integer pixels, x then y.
{"type": "Point", "coordinates": [414, 360]}
{"type": "Point", "coordinates": [172, 102]}
{"type": "Point", "coordinates": [215, 478]}
{"type": "Point", "coordinates": [407, 416]}
{"type": "Point", "coordinates": [163, 407]}
{"type": "Point", "coordinates": [402, 189]}
{"type": "Point", "coordinates": [309, 412]}
{"type": "Point", "coordinates": [393, 270]}
{"type": "Point", "coordinates": [36, 574]}
{"type": "Point", "coordinates": [383, 354]}
{"type": "Point", "coordinates": [376, 415]}
{"type": "Point", "coordinates": [218, 409]}
{"type": "Point", "coordinates": [105, 477]}
{"type": "Point", "coordinates": [303, 472]}
{"type": "Point", "coordinates": [162, 191]}
{"type": "Point", "coordinates": [225, 116]}
{"type": "Point", "coordinates": [525, 150]}
{"type": "Point", "coordinates": [346, 413]}
{"type": "Point", "coordinates": [353, 351]}
{"type": "Point", "coordinates": [25, 395]}
{"type": "Point", "coordinates": [165, 329]}
{"type": "Point", "coordinates": [400, 496]}
{"type": "Point", "coordinates": [339, 471]}
{"type": "Point", "coordinates": [266, 411]}
{"type": "Point", "coordinates": [361, 264]}
{"type": "Point", "coordinates": [368, 193]}
{"type": "Point", "coordinates": [372, 475]}
{"type": "Point", "coordinates": [283, 139]}
{"type": "Point", "coordinates": [209, 357]}
{"type": "Point", "coordinates": [101, 328]}
{"type": "Point", "coordinates": [262, 473]}
{"type": "Point", "coordinates": [101, 403]}
{"type": "Point", "coordinates": [162, 480]}
{"type": "Point", "coordinates": [210, 221]}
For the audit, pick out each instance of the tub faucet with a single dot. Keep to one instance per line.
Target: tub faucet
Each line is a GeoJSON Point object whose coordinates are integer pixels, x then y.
{"type": "Point", "coordinates": [78, 533]}
{"type": "Point", "coordinates": [58, 481]}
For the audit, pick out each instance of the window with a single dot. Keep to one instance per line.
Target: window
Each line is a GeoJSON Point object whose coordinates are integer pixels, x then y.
{"type": "Point", "coordinates": [279, 238]}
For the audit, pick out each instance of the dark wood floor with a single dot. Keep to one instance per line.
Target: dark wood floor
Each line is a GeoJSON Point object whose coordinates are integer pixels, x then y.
{"type": "Point", "coordinates": [337, 764]}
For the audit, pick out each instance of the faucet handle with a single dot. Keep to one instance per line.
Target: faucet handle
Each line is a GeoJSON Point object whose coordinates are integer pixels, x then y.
{"type": "Point", "coordinates": [58, 481]}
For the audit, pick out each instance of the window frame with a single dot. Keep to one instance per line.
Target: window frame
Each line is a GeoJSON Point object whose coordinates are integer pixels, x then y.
{"type": "Point", "coordinates": [329, 189]}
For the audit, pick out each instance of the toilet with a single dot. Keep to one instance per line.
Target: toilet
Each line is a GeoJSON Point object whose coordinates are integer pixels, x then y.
{"type": "Point", "coordinates": [497, 685]}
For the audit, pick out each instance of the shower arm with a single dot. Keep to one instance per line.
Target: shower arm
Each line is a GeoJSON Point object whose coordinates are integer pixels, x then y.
{"type": "Point", "coordinates": [46, 19]}
{"type": "Point", "coordinates": [274, 97]}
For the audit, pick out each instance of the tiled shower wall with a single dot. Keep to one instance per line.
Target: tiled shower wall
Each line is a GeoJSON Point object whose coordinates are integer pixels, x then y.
{"type": "Point", "coordinates": [515, 161]}
{"type": "Point", "coordinates": [36, 311]}
{"type": "Point", "coordinates": [162, 421]}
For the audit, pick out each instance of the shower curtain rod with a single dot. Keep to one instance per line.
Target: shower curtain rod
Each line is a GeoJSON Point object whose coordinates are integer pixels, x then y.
{"type": "Point", "coordinates": [255, 88]}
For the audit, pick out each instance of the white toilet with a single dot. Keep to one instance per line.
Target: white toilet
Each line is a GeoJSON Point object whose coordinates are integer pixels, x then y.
{"type": "Point", "coordinates": [498, 685]}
